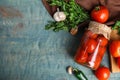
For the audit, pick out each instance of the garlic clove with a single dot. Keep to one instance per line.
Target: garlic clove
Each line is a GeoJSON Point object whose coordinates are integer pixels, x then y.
{"type": "Point", "coordinates": [74, 31]}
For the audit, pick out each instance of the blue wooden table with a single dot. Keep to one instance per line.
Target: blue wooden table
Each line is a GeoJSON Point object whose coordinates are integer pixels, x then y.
{"type": "Point", "coordinates": [29, 52]}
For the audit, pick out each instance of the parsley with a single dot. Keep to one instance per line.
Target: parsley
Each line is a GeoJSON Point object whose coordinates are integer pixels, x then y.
{"type": "Point", "coordinates": [117, 26]}
{"type": "Point", "coordinates": [75, 15]}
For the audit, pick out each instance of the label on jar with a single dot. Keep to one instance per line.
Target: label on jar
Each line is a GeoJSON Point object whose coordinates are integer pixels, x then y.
{"type": "Point", "coordinates": [99, 28]}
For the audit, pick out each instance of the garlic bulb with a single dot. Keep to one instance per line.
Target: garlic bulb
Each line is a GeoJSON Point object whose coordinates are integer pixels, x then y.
{"type": "Point", "coordinates": [59, 16]}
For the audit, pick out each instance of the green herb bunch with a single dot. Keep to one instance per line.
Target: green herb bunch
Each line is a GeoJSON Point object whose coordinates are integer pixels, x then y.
{"type": "Point", "coordinates": [75, 15]}
{"type": "Point", "coordinates": [117, 26]}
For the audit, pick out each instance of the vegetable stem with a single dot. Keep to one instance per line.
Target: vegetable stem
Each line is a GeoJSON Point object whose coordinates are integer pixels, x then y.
{"type": "Point", "coordinates": [97, 8]}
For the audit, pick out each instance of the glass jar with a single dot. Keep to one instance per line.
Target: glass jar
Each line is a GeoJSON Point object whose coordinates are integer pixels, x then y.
{"type": "Point", "coordinates": [93, 45]}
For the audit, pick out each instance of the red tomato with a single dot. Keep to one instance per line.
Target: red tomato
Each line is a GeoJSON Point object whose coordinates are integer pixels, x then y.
{"type": "Point", "coordinates": [100, 14]}
{"type": "Point", "coordinates": [90, 45]}
{"type": "Point", "coordinates": [102, 73]}
{"type": "Point", "coordinates": [114, 48]}
{"type": "Point", "coordinates": [94, 36]}
{"type": "Point", "coordinates": [118, 62]}
{"type": "Point", "coordinates": [81, 56]}
{"type": "Point", "coordinates": [94, 60]}
{"type": "Point", "coordinates": [102, 40]}
{"type": "Point", "coordinates": [101, 51]}
{"type": "Point", "coordinates": [90, 34]}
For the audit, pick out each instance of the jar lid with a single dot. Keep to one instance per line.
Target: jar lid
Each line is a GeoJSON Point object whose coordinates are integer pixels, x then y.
{"type": "Point", "coordinates": [100, 28]}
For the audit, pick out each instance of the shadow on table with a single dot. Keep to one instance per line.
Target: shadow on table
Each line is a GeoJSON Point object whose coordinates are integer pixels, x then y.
{"type": "Point", "coordinates": [76, 41]}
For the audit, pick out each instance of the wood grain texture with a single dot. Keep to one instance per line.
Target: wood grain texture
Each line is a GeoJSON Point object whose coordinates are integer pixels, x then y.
{"type": "Point", "coordinates": [114, 66]}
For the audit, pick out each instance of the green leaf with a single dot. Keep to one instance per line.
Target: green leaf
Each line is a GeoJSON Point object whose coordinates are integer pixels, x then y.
{"type": "Point", "coordinates": [117, 26]}
{"type": "Point", "coordinates": [75, 15]}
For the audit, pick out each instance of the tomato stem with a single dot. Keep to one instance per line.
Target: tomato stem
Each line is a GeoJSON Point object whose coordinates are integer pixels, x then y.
{"type": "Point", "coordinates": [97, 8]}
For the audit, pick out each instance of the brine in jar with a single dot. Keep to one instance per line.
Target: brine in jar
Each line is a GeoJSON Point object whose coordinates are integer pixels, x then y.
{"type": "Point", "coordinates": [92, 46]}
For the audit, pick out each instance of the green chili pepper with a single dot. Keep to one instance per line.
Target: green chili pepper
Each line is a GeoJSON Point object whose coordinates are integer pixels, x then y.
{"type": "Point", "coordinates": [77, 73]}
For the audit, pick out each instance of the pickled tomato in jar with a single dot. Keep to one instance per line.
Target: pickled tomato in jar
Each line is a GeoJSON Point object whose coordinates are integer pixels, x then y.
{"type": "Point", "coordinates": [93, 45]}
